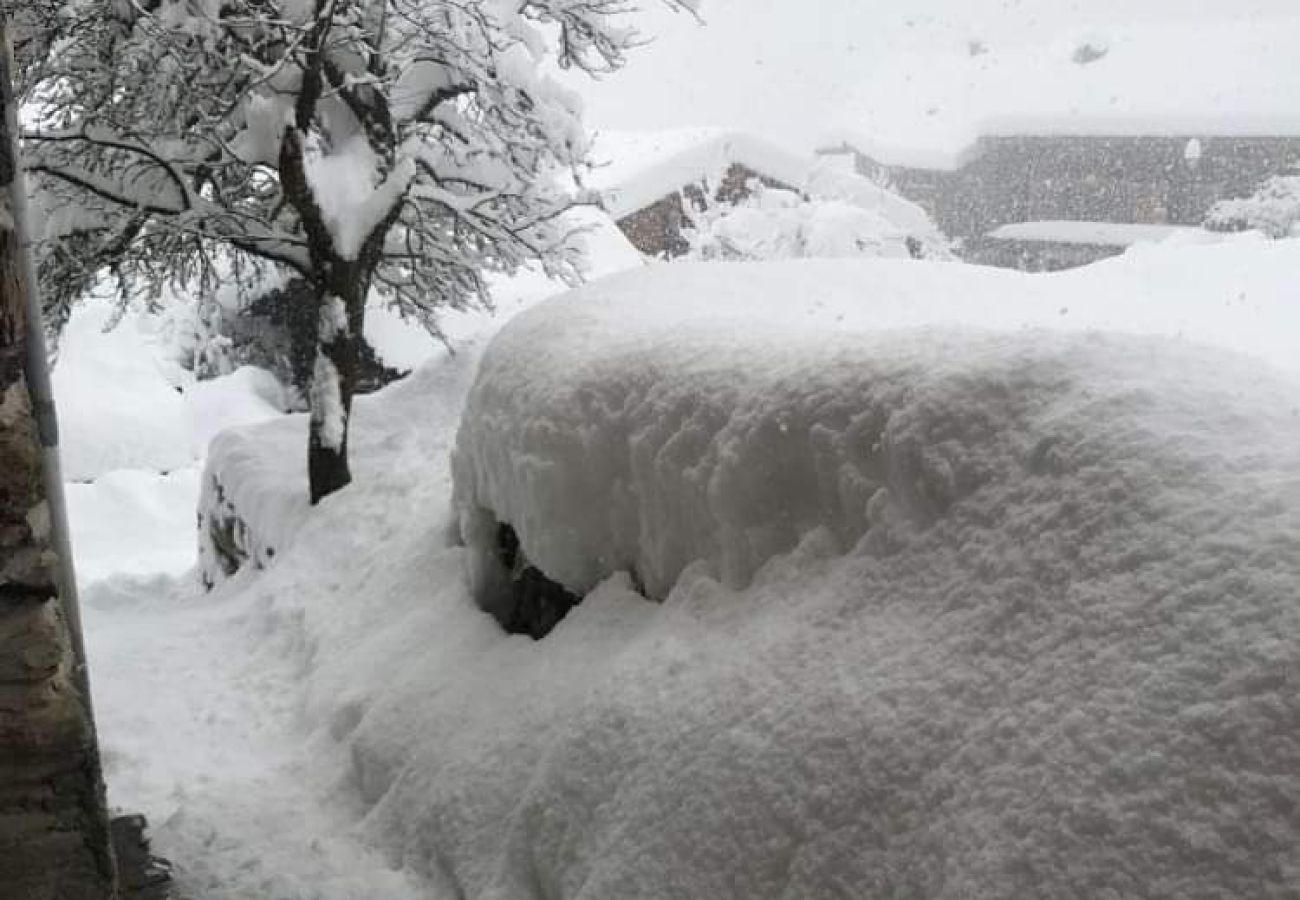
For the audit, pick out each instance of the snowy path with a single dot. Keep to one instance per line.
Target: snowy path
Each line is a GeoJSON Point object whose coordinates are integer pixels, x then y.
{"type": "Point", "coordinates": [199, 732]}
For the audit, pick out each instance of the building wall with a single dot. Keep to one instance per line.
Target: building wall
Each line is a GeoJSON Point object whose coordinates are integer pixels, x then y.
{"type": "Point", "coordinates": [54, 838]}
{"type": "Point", "coordinates": [1092, 178]}
{"type": "Point", "coordinates": [1034, 256]}
{"type": "Point", "coordinates": [657, 229]}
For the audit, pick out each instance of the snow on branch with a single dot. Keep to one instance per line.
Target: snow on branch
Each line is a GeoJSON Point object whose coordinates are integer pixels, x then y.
{"type": "Point", "coordinates": [411, 143]}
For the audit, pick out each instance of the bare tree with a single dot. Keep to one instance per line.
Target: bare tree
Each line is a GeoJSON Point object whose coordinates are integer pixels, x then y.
{"type": "Point", "coordinates": [400, 146]}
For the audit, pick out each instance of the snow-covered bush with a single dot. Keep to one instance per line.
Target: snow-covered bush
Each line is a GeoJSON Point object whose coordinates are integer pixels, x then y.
{"type": "Point", "coordinates": [276, 331]}
{"type": "Point", "coordinates": [1273, 209]}
{"type": "Point", "coordinates": [772, 223]}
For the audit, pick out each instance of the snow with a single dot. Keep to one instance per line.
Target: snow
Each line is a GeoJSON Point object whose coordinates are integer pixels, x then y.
{"type": "Point", "coordinates": [635, 169]}
{"type": "Point", "coordinates": [245, 396]}
{"type": "Point", "coordinates": [830, 179]}
{"type": "Point", "coordinates": [125, 402]}
{"type": "Point", "coordinates": [603, 394]}
{"type": "Point", "coordinates": [119, 399]}
{"type": "Point", "coordinates": [779, 224]}
{"type": "Point", "coordinates": [227, 795]}
{"type": "Point", "coordinates": [1273, 209]}
{"type": "Point", "coordinates": [1025, 627]}
{"type": "Point", "coordinates": [1055, 663]}
{"type": "Point", "coordinates": [926, 109]}
{"type": "Point", "coordinates": [1107, 234]}
{"type": "Point", "coordinates": [133, 523]}
{"type": "Point", "coordinates": [327, 409]}
{"type": "Point", "coordinates": [352, 197]}
{"type": "Point", "coordinates": [134, 431]}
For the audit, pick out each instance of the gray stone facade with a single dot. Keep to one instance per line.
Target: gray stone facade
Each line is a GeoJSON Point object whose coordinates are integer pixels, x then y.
{"type": "Point", "coordinates": [1095, 178]}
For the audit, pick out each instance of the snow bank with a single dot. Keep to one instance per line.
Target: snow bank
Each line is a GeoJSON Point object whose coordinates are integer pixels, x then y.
{"type": "Point", "coordinates": [119, 396]}
{"type": "Point", "coordinates": [125, 402]}
{"type": "Point", "coordinates": [134, 523]}
{"type": "Point", "coordinates": [250, 510]}
{"type": "Point", "coordinates": [830, 181]}
{"type": "Point", "coordinates": [1106, 234]}
{"type": "Point", "coordinates": [1056, 663]}
{"type": "Point", "coordinates": [134, 426]}
{"type": "Point", "coordinates": [248, 507]}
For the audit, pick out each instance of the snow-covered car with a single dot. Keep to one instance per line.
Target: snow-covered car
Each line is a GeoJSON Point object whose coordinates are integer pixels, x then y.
{"type": "Point", "coordinates": [928, 611]}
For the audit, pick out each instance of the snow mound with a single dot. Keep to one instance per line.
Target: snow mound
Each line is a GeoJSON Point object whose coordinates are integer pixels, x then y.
{"type": "Point", "coordinates": [773, 223]}
{"type": "Point", "coordinates": [133, 523]}
{"type": "Point", "coordinates": [1057, 663]}
{"type": "Point", "coordinates": [119, 396]}
{"type": "Point", "coordinates": [720, 413]}
{"type": "Point", "coordinates": [126, 403]}
{"type": "Point", "coordinates": [1068, 672]}
{"type": "Point", "coordinates": [250, 503]}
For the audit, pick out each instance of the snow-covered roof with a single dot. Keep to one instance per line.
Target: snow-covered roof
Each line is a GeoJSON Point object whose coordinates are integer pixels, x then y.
{"type": "Point", "coordinates": [1105, 234]}
{"type": "Point", "coordinates": [634, 169]}
{"type": "Point", "coordinates": [1229, 78]}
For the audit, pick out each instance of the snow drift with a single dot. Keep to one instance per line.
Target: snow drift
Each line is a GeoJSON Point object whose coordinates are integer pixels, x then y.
{"type": "Point", "coordinates": [1058, 660]}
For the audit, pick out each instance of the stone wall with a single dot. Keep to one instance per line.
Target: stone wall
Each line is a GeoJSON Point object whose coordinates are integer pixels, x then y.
{"type": "Point", "coordinates": [54, 842]}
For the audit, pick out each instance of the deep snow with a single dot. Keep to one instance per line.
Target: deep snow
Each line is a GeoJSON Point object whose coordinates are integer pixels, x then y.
{"type": "Point", "coordinates": [1075, 678]}
{"type": "Point", "coordinates": [1069, 675]}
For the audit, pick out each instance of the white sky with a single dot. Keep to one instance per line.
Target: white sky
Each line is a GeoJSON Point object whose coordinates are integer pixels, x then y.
{"type": "Point", "coordinates": [782, 67]}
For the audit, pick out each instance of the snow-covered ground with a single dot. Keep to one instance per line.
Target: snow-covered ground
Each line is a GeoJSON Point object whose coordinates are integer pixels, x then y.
{"type": "Point", "coordinates": [1070, 676]}
{"type": "Point", "coordinates": [197, 697]}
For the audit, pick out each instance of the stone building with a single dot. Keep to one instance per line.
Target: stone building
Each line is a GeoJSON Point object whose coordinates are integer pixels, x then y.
{"type": "Point", "coordinates": [1095, 178]}
{"type": "Point", "coordinates": [651, 182]}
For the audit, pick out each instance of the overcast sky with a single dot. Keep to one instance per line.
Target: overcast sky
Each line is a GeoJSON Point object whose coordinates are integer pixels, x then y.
{"type": "Point", "coordinates": [781, 67]}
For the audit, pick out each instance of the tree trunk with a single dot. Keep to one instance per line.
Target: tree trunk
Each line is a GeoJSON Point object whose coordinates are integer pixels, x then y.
{"type": "Point", "coordinates": [341, 319]}
{"type": "Point", "coordinates": [54, 838]}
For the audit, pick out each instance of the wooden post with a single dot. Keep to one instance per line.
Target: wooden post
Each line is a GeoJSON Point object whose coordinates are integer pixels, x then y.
{"type": "Point", "coordinates": [54, 837]}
